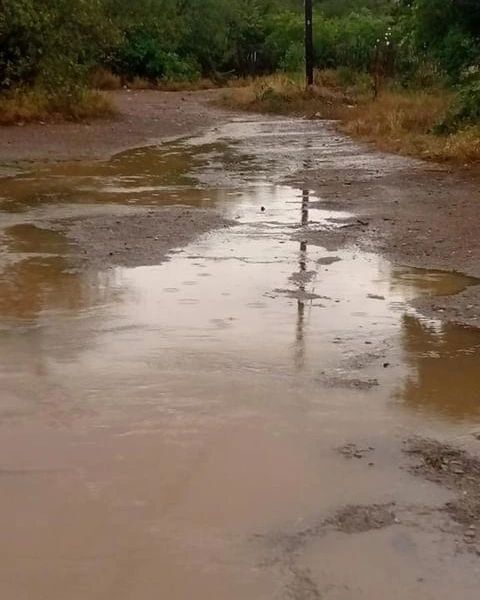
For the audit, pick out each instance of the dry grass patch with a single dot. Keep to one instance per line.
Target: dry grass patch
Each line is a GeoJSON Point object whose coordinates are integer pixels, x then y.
{"type": "Point", "coordinates": [287, 94]}
{"type": "Point", "coordinates": [402, 121]}
{"type": "Point", "coordinates": [399, 121]}
{"type": "Point", "coordinates": [36, 105]}
{"type": "Point", "coordinates": [103, 79]}
{"type": "Point", "coordinates": [284, 94]}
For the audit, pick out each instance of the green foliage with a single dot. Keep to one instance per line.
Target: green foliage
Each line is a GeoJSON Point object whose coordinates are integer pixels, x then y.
{"type": "Point", "coordinates": [340, 8]}
{"type": "Point", "coordinates": [284, 36]}
{"type": "Point", "coordinates": [443, 31]}
{"type": "Point", "coordinates": [293, 59]}
{"type": "Point", "coordinates": [53, 45]}
{"type": "Point", "coordinates": [142, 54]}
{"type": "Point", "coordinates": [350, 41]}
{"type": "Point", "coordinates": [466, 110]}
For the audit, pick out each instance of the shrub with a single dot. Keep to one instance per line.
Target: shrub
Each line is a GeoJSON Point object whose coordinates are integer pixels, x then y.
{"type": "Point", "coordinates": [294, 58]}
{"type": "Point", "coordinates": [35, 104]}
{"type": "Point", "coordinates": [103, 79]}
{"type": "Point", "coordinates": [466, 109]}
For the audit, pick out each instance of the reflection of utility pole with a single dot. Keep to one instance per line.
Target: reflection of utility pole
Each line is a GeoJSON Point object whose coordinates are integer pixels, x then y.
{"type": "Point", "coordinates": [302, 264]}
{"type": "Point", "coordinates": [309, 41]}
{"type": "Point", "coordinates": [305, 206]}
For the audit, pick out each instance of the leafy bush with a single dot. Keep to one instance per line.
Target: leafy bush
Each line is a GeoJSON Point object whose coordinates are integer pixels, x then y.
{"type": "Point", "coordinates": [466, 110]}
{"type": "Point", "coordinates": [294, 58]}
{"type": "Point", "coordinates": [142, 55]}
{"type": "Point", "coordinates": [52, 44]}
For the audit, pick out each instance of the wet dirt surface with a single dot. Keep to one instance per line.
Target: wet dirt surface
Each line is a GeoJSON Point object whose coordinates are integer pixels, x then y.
{"type": "Point", "coordinates": [457, 470]}
{"type": "Point", "coordinates": [413, 212]}
{"type": "Point", "coordinates": [144, 117]}
{"type": "Point", "coordinates": [224, 415]}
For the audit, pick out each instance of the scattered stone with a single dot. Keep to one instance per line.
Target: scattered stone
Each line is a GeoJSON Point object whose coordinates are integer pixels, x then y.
{"type": "Point", "coordinates": [350, 383]}
{"type": "Point", "coordinates": [328, 260]}
{"type": "Point", "coordinates": [353, 451]}
{"type": "Point", "coordinates": [454, 469]}
{"type": "Point", "coordinates": [134, 238]}
{"type": "Point", "coordinates": [359, 518]}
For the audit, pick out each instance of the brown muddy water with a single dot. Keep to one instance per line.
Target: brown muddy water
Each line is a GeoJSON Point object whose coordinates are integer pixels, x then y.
{"type": "Point", "coordinates": [173, 431]}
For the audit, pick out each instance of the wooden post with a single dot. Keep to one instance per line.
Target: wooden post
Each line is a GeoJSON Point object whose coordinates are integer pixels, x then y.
{"type": "Point", "coordinates": [309, 42]}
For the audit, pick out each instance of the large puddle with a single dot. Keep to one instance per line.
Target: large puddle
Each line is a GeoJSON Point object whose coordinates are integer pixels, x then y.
{"type": "Point", "coordinates": [156, 419]}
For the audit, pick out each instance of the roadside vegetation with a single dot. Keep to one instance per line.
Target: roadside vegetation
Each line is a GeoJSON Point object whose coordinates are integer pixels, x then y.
{"type": "Point", "coordinates": [405, 75]}
{"type": "Point", "coordinates": [402, 73]}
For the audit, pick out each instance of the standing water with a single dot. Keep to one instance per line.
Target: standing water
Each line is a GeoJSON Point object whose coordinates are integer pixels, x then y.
{"type": "Point", "coordinates": [173, 430]}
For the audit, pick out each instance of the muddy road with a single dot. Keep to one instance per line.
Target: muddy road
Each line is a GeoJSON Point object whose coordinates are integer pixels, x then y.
{"type": "Point", "coordinates": [223, 376]}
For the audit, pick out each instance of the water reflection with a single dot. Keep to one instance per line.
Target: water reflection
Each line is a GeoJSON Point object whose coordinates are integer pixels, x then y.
{"type": "Point", "coordinates": [33, 285]}
{"type": "Point", "coordinates": [444, 363]}
{"type": "Point", "coordinates": [305, 207]}
{"type": "Point", "coordinates": [39, 278]}
{"type": "Point", "coordinates": [215, 302]}
{"type": "Point", "coordinates": [302, 281]}
{"type": "Point", "coordinates": [28, 238]}
{"type": "Point", "coordinates": [413, 282]}
{"type": "Point", "coordinates": [141, 176]}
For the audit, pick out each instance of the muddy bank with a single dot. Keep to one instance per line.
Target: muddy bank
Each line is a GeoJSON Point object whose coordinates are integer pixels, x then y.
{"type": "Point", "coordinates": [414, 213]}
{"type": "Point", "coordinates": [144, 117]}
{"type": "Point", "coordinates": [141, 237]}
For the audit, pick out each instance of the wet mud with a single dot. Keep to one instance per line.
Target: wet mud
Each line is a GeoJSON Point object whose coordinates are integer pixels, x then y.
{"type": "Point", "coordinates": [140, 238]}
{"type": "Point", "coordinates": [358, 519]}
{"type": "Point", "coordinates": [457, 470]}
{"type": "Point", "coordinates": [413, 212]}
{"type": "Point", "coordinates": [208, 376]}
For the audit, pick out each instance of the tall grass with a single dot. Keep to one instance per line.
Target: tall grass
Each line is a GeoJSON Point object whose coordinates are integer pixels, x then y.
{"type": "Point", "coordinates": [103, 79]}
{"type": "Point", "coordinates": [286, 93]}
{"type": "Point", "coordinates": [26, 106]}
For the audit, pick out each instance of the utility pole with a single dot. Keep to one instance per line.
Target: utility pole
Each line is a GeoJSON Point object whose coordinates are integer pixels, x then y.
{"type": "Point", "coordinates": [309, 41]}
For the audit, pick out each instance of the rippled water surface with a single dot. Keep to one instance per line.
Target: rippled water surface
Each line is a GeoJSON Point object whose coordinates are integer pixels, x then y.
{"type": "Point", "coordinates": [161, 425]}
